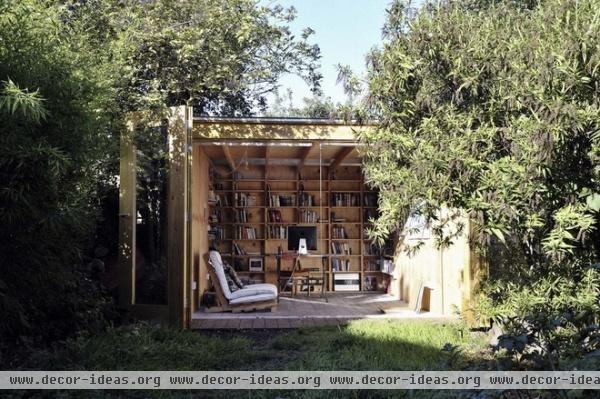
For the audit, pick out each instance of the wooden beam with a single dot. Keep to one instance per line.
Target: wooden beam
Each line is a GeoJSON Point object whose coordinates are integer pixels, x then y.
{"type": "Point", "coordinates": [228, 157]}
{"type": "Point", "coordinates": [304, 155]}
{"type": "Point", "coordinates": [178, 282]}
{"type": "Point", "coordinates": [127, 211]}
{"type": "Point", "coordinates": [344, 152]}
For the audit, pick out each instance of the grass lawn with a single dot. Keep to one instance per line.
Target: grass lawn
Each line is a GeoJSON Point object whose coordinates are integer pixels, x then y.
{"type": "Point", "coordinates": [359, 345]}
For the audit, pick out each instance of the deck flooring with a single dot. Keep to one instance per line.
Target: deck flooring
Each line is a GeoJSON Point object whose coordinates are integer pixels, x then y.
{"type": "Point", "coordinates": [301, 311]}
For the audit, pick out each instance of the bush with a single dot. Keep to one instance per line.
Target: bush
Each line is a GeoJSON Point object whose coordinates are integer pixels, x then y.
{"type": "Point", "coordinates": [48, 148]}
{"type": "Point", "coordinates": [492, 107]}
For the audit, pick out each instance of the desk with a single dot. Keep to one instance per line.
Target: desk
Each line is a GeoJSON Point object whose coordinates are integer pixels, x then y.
{"type": "Point", "coordinates": [299, 278]}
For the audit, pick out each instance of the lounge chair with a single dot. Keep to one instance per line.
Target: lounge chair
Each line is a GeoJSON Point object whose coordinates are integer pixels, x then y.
{"type": "Point", "coordinates": [251, 297]}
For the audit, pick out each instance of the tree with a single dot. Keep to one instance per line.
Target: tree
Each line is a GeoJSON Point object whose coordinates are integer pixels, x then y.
{"type": "Point", "coordinates": [312, 107]}
{"type": "Point", "coordinates": [70, 72]}
{"type": "Point", "coordinates": [48, 147]}
{"type": "Point", "coordinates": [222, 57]}
{"type": "Point", "coordinates": [492, 107]}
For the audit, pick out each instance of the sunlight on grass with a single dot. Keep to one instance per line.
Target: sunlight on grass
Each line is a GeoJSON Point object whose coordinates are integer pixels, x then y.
{"type": "Point", "coordinates": [359, 345]}
{"type": "Point", "coordinates": [376, 345]}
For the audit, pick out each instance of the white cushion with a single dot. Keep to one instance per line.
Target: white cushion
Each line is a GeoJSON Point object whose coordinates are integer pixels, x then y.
{"type": "Point", "coordinates": [254, 289]}
{"type": "Point", "coordinates": [214, 258]}
{"type": "Point", "coordinates": [253, 298]}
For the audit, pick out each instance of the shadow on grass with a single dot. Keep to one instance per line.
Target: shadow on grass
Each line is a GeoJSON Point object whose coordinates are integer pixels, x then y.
{"type": "Point", "coordinates": [363, 345]}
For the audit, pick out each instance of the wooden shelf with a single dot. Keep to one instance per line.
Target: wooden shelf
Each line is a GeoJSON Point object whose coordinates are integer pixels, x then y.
{"type": "Point", "coordinates": [284, 181]}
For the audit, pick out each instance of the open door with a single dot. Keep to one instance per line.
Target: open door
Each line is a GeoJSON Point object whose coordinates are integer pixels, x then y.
{"type": "Point", "coordinates": [153, 226]}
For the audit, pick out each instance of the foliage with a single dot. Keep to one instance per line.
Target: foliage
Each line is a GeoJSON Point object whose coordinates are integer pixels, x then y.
{"type": "Point", "coordinates": [223, 57]}
{"type": "Point", "coordinates": [493, 107]}
{"type": "Point", "coordinates": [47, 153]}
{"type": "Point", "coordinates": [316, 107]}
{"type": "Point", "coordinates": [70, 71]}
{"type": "Point", "coordinates": [548, 324]}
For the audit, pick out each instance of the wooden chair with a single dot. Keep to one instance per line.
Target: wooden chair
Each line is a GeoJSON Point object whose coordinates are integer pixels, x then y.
{"type": "Point", "coordinates": [224, 304]}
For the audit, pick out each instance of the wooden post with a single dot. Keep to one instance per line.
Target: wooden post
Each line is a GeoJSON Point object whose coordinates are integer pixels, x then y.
{"type": "Point", "coordinates": [199, 209]}
{"type": "Point", "coordinates": [127, 215]}
{"type": "Point", "coordinates": [179, 133]}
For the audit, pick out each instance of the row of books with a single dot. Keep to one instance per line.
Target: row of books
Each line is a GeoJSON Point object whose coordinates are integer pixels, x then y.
{"type": "Point", "coordinates": [238, 250]}
{"type": "Point", "coordinates": [275, 216]}
{"type": "Point", "coordinates": [340, 265]}
{"type": "Point", "coordinates": [244, 199]}
{"type": "Point", "coordinates": [218, 199]}
{"type": "Point", "coordinates": [339, 232]}
{"type": "Point", "coordinates": [372, 249]}
{"type": "Point", "coordinates": [307, 216]}
{"type": "Point", "coordinates": [216, 233]}
{"type": "Point", "coordinates": [282, 200]}
{"type": "Point", "coordinates": [215, 216]}
{"type": "Point", "coordinates": [306, 199]}
{"type": "Point", "coordinates": [245, 233]}
{"type": "Point", "coordinates": [341, 248]}
{"type": "Point", "coordinates": [373, 265]}
{"type": "Point", "coordinates": [345, 199]}
{"type": "Point", "coordinates": [241, 216]}
{"type": "Point", "coordinates": [371, 283]}
{"type": "Point", "coordinates": [278, 232]}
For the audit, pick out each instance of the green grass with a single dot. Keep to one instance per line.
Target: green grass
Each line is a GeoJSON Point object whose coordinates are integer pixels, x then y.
{"type": "Point", "coordinates": [359, 345]}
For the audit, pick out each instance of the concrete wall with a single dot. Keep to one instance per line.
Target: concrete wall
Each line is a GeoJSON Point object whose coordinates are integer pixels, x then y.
{"type": "Point", "coordinates": [446, 271]}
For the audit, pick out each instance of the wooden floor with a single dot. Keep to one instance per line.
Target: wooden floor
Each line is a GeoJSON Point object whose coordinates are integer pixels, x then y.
{"type": "Point", "coordinates": [301, 311]}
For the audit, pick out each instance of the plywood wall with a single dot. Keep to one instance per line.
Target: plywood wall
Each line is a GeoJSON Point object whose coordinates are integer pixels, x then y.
{"type": "Point", "coordinates": [448, 271]}
{"type": "Point", "coordinates": [199, 221]}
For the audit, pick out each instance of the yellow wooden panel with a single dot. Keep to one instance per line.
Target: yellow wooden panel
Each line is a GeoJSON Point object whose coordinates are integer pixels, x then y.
{"type": "Point", "coordinates": [274, 131]}
{"type": "Point", "coordinates": [442, 269]}
{"type": "Point", "coordinates": [177, 207]}
{"type": "Point", "coordinates": [199, 223]}
{"type": "Point", "coordinates": [127, 198]}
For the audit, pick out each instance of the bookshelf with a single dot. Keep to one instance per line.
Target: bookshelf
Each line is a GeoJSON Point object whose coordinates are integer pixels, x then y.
{"type": "Point", "coordinates": [250, 210]}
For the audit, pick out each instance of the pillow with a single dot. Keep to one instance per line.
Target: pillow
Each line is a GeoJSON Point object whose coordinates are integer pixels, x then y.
{"type": "Point", "coordinates": [231, 272]}
{"type": "Point", "coordinates": [233, 280]}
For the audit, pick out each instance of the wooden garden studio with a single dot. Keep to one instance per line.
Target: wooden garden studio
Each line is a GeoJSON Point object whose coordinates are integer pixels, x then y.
{"type": "Point", "coordinates": [266, 160]}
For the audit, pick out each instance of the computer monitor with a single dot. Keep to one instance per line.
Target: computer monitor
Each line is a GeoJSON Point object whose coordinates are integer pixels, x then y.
{"type": "Point", "coordinates": [295, 233]}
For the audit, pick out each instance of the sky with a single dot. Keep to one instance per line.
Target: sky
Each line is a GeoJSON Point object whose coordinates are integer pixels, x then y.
{"type": "Point", "coordinates": [345, 30]}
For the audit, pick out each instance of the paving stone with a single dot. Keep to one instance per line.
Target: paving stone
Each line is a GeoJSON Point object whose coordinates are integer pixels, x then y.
{"type": "Point", "coordinates": [245, 323]}
{"type": "Point", "coordinates": [220, 324]}
{"type": "Point", "coordinates": [283, 323]}
{"type": "Point", "coordinates": [258, 323]}
{"type": "Point", "coordinates": [295, 323]}
{"type": "Point", "coordinates": [271, 323]}
{"type": "Point", "coordinates": [233, 323]}
{"type": "Point", "coordinates": [305, 311]}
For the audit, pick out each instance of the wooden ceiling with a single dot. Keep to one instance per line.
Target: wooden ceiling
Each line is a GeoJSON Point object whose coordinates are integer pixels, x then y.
{"type": "Point", "coordinates": [298, 154]}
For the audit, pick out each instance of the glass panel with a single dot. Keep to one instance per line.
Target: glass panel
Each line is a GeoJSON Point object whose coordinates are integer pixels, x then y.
{"type": "Point", "coordinates": [151, 227]}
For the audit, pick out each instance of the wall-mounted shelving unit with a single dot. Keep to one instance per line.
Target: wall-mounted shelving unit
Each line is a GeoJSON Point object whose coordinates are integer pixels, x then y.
{"type": "Point", "coordinates": [250, 209]}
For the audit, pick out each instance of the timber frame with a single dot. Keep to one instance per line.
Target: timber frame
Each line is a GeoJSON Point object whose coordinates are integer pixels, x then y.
{"type": "Point", "coordinates": [188, 179]}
